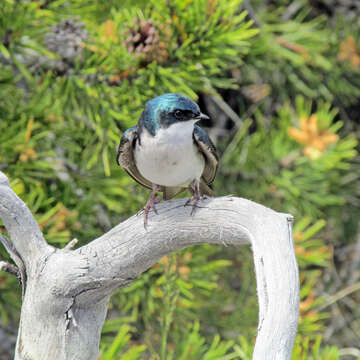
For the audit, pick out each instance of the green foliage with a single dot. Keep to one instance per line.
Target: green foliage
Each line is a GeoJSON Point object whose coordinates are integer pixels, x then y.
{"type": "Point", "coordinates": [310, 251]}
{"type": "Point", "coordinates": [310, 178]}
{"type": "Point", "coordinates": [171, 294]}
{"type": "Point", "coordinates": [305, 349]}
{"type": "Point", "coordinates": [9, 297]}
{"type": "Point", "coordinates": [192, 347]}
{"type": "Point", "coordinates": [161, 303]}
{"type": "Point", "coordinates": [116, 349]}
{"type": "Point", "coordinates": [301, 53]}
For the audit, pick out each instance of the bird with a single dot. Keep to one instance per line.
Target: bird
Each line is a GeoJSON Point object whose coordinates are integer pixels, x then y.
{"type": "Point", "coordinates": [167, 152]}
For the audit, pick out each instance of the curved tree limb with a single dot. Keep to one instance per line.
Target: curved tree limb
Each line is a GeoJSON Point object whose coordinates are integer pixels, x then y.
{"type": "Point", "coordinates": [27, 241]}
{"type": "Point", "coordinates": [67, 292]}
{"type": "Point", "coordinates": [11, 269]}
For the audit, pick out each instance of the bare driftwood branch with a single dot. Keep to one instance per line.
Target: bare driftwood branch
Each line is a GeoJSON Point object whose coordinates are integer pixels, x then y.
{"type": "Point", "coordinates": [26, 237]}
{"type": "Point", "coordinates": [67, 291]}
{"type": "Point", "coordinates": [11, 269]}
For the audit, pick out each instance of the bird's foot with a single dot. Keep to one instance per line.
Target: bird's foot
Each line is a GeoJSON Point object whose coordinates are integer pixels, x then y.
{"type": "Point", "coordinates": [194, 200]}
{"type": "Point", "coordinates": [155, 201]}
{"type": "Point", "coordinates": [151, 205]}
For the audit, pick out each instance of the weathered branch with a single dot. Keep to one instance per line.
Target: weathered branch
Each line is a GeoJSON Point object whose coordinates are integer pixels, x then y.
{"type": "Point", "coordinates": [11, 269]}
{"type": "Point", "coordinates": [68, 290]}
{"type": "Point", "coordinates": [17, 259]}
{"type": "Point", "coordinates": [27, 240]}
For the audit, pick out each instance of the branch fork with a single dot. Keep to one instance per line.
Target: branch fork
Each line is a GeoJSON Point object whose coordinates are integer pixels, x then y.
{"type": "Point", "coordinates": [66, 292]}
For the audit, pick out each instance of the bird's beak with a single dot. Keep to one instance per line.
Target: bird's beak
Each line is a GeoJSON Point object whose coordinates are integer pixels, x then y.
{"type": "Point", "coordinates": [203, 117]}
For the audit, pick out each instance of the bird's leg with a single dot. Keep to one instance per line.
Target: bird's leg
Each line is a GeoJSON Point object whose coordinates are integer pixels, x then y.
{"type": "Point", "coordinates": [196, 197]}
{"type": "Point", "coordinates": [151, 204]}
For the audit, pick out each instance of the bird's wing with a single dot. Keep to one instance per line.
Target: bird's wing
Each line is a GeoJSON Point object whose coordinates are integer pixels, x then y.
{"type": "Point", "coordinates": [207, 148]}
{"type": "Point", "coordinates": [125, 156]}
{"type": "Point", "coordinates": [203, 188]}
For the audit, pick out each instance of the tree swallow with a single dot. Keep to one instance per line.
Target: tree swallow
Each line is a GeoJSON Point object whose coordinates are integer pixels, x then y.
{"type": "Point", "coordinates": [167, 152]}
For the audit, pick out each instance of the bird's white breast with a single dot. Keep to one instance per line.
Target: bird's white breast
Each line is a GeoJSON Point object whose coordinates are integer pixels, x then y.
{"type": "Point", "coordinates": [170, 158]}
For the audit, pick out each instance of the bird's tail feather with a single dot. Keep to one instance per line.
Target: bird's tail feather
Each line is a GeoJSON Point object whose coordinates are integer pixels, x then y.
{"type": "Point", "coordinates": [170, 192]}
{"type": "Point", "coordinates": [205, 189]}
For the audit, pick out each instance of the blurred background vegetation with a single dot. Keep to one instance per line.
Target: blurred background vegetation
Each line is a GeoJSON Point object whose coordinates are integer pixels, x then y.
{"type": "Point", "coordinates": [280, 80]}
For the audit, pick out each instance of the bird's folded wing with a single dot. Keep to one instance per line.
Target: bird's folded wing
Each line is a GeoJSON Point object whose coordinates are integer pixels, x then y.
{"type": "Point", "coordinates": [207, 148]}
{"type": "Point", "coordinates": [203, 188]}
{"type": "Point", "coordinates": [125, 157]}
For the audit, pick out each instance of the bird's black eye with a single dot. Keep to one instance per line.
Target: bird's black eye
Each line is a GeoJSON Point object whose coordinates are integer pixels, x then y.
{"type": "Point", "coordinates": [178, 114]}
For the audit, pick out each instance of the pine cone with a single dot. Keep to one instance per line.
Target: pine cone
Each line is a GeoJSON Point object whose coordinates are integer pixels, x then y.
{"type": "Point", "coordinates": [349, 8]}
{"type": "Point", "coordinates": [65, 40]}
{"type": "Point", "coordinates": [143, 39]}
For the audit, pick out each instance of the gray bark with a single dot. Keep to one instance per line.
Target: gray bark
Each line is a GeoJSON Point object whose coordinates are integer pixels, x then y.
{"type": "Point", "coordinates": [66, 292]}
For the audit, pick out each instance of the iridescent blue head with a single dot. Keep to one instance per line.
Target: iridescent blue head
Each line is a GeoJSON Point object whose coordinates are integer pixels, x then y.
{"type": "Point", "coordinates": [167, 109]}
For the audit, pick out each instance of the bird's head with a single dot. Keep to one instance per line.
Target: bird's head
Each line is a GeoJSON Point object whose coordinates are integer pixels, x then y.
{"type": "Point", "coordinates": [168, 109]}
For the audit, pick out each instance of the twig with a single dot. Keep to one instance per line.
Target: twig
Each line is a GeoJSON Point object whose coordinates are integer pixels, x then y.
{"type": "Point", "coordinates": [339, 295]}
{"type": "Point", "coordinates": [355, 262]}
{"type": "Point", "coordinates": [71, 244]}
{"type": "Point", "coordinates": [16, 258]}
{"type": "Point", "coordinates": [227, 110]}
{"type": "Point", "coordinates": [247, 6]}
{"type": "Point", "coordinates": [11, 269]}
{"type": "Point", "coordinates": [350, 351]}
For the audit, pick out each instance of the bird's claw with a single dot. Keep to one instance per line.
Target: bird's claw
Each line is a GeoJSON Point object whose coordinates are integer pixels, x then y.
{"type": "Point", "coordinates": [139, 212]}
{"type": "Point", "coordinates": [150, 205]}
{"type": "Point", "coordinates": [194, 199]}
